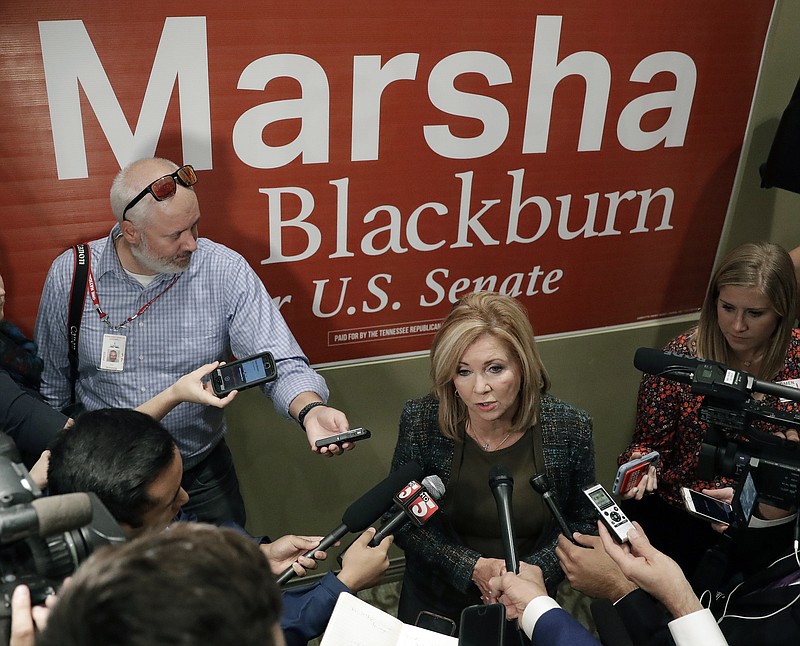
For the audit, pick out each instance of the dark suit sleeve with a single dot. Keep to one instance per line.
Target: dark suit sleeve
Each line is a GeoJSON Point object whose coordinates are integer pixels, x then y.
{"type": "Point", "coordinates": [557, 627]}
{"type": "Point", "coordinates": [306, 611]}
{"type": "Point", "coordinates": [644, 619]}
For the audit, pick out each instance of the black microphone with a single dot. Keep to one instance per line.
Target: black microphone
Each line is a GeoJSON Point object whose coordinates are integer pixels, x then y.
{"type": "Point", "coordinates": [417, 506]}
{"type": "Point", "coordinates": [541, 485]}
{"type": "Point", "coordinates": [682, 368]}
{"type": "Point", "coordinates": [666, 364]}
{"type": "Point", "coordinates": [502, 484]}
{"type": "Point", "coordinates": [364, 511]}
{"type": "Point", "coordinates": [45, 516]}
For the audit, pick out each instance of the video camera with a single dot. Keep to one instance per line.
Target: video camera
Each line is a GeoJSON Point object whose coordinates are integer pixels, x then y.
{"type": "Point", "coordinates": [43, 539]}
{"type": "Point", "coordinates": [731, 445]}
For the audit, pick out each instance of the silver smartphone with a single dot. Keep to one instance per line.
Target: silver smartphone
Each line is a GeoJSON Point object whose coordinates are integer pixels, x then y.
{"type": "Point", "coordinates": [702, 506]}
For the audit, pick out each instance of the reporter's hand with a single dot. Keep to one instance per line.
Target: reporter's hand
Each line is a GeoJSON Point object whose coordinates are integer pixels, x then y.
{"type": "Point", "coordinates": [38, 471]}
{"type": "Point", "coordinates": [790, 434]}
{"type": "Point", "coordinates": [515, 591]}
{"type": "Point", "coordinates": [25, 620]}
{"type": "Point", "coordinates": [288, 551]}
{"type": "Point", "coordinates": [324, 421]}
{"type": "Point", "coordinates": [723, 495]}
{"type": "Point", "coordinates": [592, 571]}
{"type": "Point", "coordinates": [647, 485]}
{"type": "Point", "coordinates": [652, 570]}
{"type": "Point", "coordinates": [769, 512]}
{"type": "Point", "coordinates": [364, 566]}
{"type": "Point", "coordinates": [192, 388]}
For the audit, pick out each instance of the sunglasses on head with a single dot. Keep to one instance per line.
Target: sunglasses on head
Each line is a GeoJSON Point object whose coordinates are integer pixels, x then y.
{"type": "Point", "coordinates": [164, 187]}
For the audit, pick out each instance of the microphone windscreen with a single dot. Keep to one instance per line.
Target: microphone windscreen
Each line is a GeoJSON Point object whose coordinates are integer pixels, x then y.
{"type": "Point", "coordinates": [62, 513]}
{"type": "Point", "coordinates": [435, 486]}
{"type": "Point", "coordinates": [540, 483]}
{"type": "Point", "coordinates": [377, 501]}
{"type": "Point", "coordinates": [656, 362]}
{"type": "Point", "coordinates": [500, 475]}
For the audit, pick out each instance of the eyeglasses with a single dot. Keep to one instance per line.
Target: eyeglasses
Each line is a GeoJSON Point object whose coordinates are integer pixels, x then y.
{"type": "Point", "coordinates": [164, 187]}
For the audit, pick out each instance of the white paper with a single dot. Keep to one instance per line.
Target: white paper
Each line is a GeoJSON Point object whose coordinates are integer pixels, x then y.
{"type": "Point", "coordinates": [356, 623]}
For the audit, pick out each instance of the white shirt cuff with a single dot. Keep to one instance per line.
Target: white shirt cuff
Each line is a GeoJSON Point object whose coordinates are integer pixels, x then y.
{"type": "Point", "coordinates": [756, 522]}
{"type": "Point", "coordinates": [697, 629]}
{"type": "Point", "coordinates": [536, 608]}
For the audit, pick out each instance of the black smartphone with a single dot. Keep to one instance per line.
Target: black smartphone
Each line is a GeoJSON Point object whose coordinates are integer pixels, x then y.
{"type": "Point", "coordinates": [483, 625]}
{"type": "Point", "coordinates": [353, 435]}
{"type": "Point", "coordinates": [243, 373]}
{"type": "Point", "coordinates": [436, 623]}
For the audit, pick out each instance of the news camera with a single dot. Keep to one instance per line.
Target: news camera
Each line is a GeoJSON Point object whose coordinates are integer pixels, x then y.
{"type": "Point", "coordinates": [43, 539]}
{"type": "Point", "coordinates": [733, 444]}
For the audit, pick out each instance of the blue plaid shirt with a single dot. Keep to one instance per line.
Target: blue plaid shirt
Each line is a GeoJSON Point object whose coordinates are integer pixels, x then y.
{"type": "Point", "coordinates": [216, 308]}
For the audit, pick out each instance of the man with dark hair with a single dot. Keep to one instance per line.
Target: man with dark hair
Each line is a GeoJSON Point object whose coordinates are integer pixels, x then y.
{"type": "Point", "coordinates": [128, 459]}
{"type": "Point", "coordinates": [195, 584]}
{"type": "Point", "coordinates": [131, 462]}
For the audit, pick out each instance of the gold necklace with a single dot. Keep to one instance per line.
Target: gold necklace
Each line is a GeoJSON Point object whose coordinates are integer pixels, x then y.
{"type": "Point", "coordinates": [485, 445]}
{"type": "Point", "coordinates": [754, 359]}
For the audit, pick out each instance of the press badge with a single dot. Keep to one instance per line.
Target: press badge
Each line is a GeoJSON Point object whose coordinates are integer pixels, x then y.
{"type": "Point", "coordinates": [112, 356]}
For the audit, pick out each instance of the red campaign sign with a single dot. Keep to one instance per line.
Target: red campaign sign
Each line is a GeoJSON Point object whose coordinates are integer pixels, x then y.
{"type": "Point", "coordinates": [374, 166]}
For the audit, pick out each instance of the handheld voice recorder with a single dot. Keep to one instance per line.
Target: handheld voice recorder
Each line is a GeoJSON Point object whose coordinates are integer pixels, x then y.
{"type": "Point", "coordinates": [353, 435]}
{"type": "Point", "coordinates": [615, 521]}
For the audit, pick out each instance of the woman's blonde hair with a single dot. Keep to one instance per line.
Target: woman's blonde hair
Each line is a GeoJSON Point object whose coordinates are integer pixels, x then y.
{"type": "Point", "coordinates": [505, 319]}
{"type": "Point", "coordinates": [767, 267]}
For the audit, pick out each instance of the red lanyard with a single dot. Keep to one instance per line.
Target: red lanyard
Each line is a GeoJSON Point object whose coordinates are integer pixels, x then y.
{"type": "Point", "coordinates": [104, 317]}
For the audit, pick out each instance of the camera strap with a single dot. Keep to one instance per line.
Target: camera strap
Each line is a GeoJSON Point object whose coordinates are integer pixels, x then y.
{"type": "Point", "coordinates": [80, 276]}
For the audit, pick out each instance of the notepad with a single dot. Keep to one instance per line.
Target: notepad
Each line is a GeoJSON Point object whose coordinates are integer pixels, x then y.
{"type": "Point", "coordinates": [356, 623]}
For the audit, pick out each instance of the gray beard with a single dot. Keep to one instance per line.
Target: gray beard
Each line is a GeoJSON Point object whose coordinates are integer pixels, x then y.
{"type": "Point", "coordinates": [157, 265]}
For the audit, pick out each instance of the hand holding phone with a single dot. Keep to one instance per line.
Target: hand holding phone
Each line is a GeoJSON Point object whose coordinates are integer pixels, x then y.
{"type": "Point", "coordinates": [743, 499]}
{"type": "Point", "coordinates": [244, 373]}
{"type": "Point", "coordinates": [705, 507]}
{"type": "Point", "coordinates": [630, 474]}
{"type": "Point", "coordinates": [353, 435]}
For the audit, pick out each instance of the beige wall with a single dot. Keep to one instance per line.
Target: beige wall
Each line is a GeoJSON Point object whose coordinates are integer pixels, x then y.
{"type": "Point", "coordinates": [289, 490]}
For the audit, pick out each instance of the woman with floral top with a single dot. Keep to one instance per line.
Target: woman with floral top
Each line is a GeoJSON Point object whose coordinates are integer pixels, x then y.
{"type": "Point", "coordinates": [747, 323]}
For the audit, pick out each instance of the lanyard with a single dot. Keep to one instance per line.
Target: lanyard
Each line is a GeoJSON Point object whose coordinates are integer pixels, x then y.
{"type": "Point", "coordinates": [104, 317]}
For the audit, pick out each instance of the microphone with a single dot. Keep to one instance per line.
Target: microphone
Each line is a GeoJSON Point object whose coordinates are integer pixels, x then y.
{"type": "Point", "coordinates": [502, 484]}
{"type": "Point", "coordinates": [666, 364]}
{"type": "Point", "coordinates": [45, 516]}
{"type": "Point", "coordinates": [416, 502]}
{"type": "Point", "coordinates": [541, 485]}
{"type": "Point", "coordinates": [364, 511]}
{"type": "Point", "coordinates": [682, 368]}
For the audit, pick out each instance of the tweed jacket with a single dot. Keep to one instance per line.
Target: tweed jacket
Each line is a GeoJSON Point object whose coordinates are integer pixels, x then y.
{"type": "Point", "coordinates": [569, 463]}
